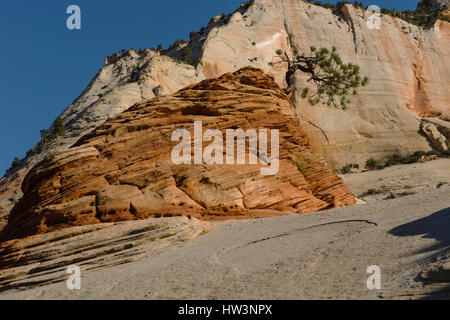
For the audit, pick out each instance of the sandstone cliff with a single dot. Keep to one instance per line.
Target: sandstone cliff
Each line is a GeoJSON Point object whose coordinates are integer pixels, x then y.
{"type": "Point", "coordinates": [123, 170]}
{"type": "Point", "coordinates": [408, 67]}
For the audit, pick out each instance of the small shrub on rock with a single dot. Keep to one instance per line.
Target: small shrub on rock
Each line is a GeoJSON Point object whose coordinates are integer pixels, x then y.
{"type": "Point", "coordinates": [371, 163]}
{"type": "Point", "coordinates": [302, 164]}
{"type": "Point", "coordinates": [346, 169]}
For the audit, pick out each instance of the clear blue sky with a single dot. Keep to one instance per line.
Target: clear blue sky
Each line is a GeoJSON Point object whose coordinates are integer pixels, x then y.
{"type": "Point", "coordinates": [44, 66]}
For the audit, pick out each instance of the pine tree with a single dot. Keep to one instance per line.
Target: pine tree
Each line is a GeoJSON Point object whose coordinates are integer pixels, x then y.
{"type": "Point", "coordinates": [15, 163]}
{"type": "Point", "coordinates": [334, 80]}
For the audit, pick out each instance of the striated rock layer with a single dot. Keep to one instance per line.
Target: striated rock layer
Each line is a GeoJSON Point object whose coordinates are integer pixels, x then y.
{"type": "Point", "coordinates": [45, 258]}
{"type": "Point", "coordinates": [123, 170]}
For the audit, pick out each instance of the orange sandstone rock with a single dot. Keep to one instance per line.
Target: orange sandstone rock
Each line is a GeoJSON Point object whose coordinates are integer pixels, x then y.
{"type": "Point", "coordinates": [123, 170]}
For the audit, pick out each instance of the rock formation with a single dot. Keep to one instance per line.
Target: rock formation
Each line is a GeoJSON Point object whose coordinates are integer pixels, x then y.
{"type": "Point", "coordinates": [437, 139]}
{"type": "Point", "coordinates": [45, 258]}
{"type": "Point", "coordinates": [407, 80]}
{"type": "Point", "coordinates": [438, 270]}
{"type": "Point", "coordinates": [442, 126]}
{"type": "Point", "coordinates": [125, 79]}
{"type": "Point", "coordinates": [123, 170]}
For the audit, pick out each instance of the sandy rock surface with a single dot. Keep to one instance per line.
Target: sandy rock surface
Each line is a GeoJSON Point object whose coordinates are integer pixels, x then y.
{"type": "Point", "coordinates": [399, 180]}
{"type": "Point", "coordinates": [120, 171]}
{"type": "Point", "coordinates": [311, 256]}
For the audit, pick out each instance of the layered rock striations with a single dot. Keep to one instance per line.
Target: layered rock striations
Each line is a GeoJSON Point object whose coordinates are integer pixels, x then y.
{"type": "Point", "coordinates": [408, 67]}
{"type": "Point", "coordinates": [46, 258]}
{"type": "Point", "coordinates": [124, 169]}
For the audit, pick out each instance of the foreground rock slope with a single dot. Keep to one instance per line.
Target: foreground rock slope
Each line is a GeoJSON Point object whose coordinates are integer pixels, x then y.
{"type": "Point", "coordinates": [308, 256]}
{"type": "Point", "coordinates": [123, 170]}
{"type": "Point", "coordinates": [45, 258]}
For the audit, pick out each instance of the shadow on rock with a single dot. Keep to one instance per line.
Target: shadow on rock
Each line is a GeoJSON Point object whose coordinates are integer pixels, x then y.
{"type": "Point", "coordinates": [435, 226]}
{"type": "Point", "coordinates": [441, 294]}
{"type": "Point", "coordinates": [435, 273]}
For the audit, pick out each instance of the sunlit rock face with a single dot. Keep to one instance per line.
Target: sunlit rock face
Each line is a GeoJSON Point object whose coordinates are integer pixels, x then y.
{"type": "Point", "coordinates": [408, 67]}
{"type": "Point", "coordinates": [125, 169]}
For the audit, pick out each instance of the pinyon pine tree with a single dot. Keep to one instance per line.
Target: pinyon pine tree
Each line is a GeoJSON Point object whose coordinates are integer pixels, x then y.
{"type": "Point", "coordinates": [333, 79]}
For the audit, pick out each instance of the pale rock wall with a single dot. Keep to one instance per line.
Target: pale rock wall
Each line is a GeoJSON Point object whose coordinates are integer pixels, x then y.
{"type": "Point", "coordinates": [408, 68]}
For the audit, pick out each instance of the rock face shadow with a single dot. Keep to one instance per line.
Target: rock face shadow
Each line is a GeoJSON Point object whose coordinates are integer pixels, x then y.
{"type": "Point", "coordinates": [435, 226]}
{"type": "Point", "coordinates": [434, 275]}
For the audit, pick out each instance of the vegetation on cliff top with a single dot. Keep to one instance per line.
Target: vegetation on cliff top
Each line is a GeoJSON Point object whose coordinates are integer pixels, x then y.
{"type": "Point", "coordinates": [58, 130]}
{"type": "Point", "coordinates": [422, 16]}
{"type": "Point", "coordinates": [15, 163]}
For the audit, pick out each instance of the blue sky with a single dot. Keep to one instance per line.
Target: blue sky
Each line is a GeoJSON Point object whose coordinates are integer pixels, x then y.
{"type": "Point", "coordinates": [44, 66]}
